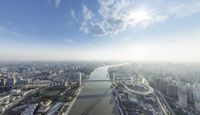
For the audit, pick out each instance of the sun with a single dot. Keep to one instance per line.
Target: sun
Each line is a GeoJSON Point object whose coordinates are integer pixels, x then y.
{"type": "Point", "coordinates": [139, 16]}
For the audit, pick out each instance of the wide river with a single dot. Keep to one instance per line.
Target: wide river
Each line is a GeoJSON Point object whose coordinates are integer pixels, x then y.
{"type": "Point", "coordinates": [96, 97]}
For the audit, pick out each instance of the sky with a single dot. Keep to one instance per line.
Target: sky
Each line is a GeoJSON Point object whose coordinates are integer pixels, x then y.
{"type": "Point", "coordinates": [133, 30]}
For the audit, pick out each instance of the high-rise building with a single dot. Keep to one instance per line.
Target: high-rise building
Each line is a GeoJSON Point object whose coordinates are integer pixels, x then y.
{"type": "Point", "coordinates": [161, 85]}
{"type": "Point", "coordinates": [172, 90]}
{"type": "Point", "coordinates": [80, 79]}
{"type": "Point", "coordinates": [190, 94]}
{"type": "Point", "coordinates": [11, 81]}
{"type": "Point", "coordinates": [182, 97]}
{"type": "Point", "coordinates": [196, 94]}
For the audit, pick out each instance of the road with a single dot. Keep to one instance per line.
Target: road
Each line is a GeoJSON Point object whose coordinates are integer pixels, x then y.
{"type": "Point", "coordinates": [95, 98]}
{"type": "Point", "coordinates": [163, 100]}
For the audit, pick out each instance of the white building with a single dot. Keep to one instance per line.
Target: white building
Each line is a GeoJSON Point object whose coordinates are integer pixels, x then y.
{"type": "Point", "coordinates": [16, 92]}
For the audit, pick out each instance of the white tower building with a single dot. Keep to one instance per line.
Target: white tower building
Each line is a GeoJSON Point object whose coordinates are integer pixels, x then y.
{"type": "Point", "coordinates": [80, 79]}
{"type": "Point", "coordinates": [131, 79]}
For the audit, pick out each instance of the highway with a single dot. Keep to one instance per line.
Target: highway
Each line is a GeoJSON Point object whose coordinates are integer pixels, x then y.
{"type": "Point", "coordinates": [96, 97]}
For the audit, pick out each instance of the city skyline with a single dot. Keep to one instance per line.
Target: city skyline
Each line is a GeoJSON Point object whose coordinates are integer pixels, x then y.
{"type": "Point", "coordinates": [153, 30]}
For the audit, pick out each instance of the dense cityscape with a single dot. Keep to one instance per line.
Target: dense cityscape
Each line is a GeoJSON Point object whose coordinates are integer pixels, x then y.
{"type": "Point", "coordinates": [51, 88]}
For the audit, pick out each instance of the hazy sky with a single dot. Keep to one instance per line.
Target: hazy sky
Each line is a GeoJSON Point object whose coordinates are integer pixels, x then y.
{"type": "Point", "coordinates": [143, 30]}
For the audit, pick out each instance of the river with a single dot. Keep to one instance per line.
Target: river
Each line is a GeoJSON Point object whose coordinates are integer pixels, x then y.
{"type": "Point", "coordinates": [96, 97]}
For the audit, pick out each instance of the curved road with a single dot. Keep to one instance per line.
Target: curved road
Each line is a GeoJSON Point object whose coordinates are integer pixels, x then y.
{"type": "Point", "coordinates": [96, 97]}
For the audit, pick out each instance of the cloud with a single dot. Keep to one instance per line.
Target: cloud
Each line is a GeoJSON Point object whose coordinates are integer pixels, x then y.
{"type": "Point", "coordinates": [87, 14]}
{"type": "Point", "coordinates": [115, 16]}
{"type": "Point", "coordinates": [87, 24]}
{"type": "Point", "coordinates": [181, 8]}
{"type": "Point", "coordinates": [100, 27]}
{"type": "Point", "coordinates": [8, 32]}
{"type": "Point", "coordinates": [57, 3]}
{"type": "Point", "coordinates": [73, 14]}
